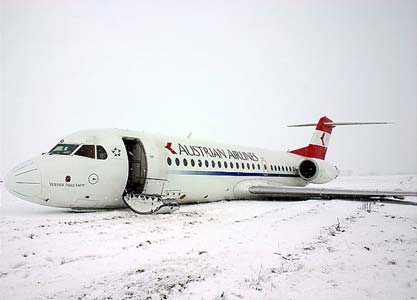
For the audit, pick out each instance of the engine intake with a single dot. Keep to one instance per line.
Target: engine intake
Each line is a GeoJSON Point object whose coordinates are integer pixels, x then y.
{"type": "Point", "coordinates": [308, 169]}
{"type": "Point", "coordinates": [317, 171]}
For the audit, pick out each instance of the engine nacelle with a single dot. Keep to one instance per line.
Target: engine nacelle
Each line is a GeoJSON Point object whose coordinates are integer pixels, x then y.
{"type": "Point", "coordinates": [317, 171]}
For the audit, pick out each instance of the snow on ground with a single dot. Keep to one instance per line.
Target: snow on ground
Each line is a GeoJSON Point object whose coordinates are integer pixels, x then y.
{"type": "Point", "coordinates": [223, 250]}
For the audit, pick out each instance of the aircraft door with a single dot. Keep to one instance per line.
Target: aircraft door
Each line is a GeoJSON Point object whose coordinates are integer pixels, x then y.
{"type": "Point", "coordinates": [137, 165]}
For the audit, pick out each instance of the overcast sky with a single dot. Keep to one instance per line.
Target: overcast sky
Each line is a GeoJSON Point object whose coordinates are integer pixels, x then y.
{"type": "Point", "coordinates": [229, 71]}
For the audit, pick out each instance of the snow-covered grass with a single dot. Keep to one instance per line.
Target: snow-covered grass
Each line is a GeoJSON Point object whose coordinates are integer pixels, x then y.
{"type": "Point", "coordinates": [224, 250]}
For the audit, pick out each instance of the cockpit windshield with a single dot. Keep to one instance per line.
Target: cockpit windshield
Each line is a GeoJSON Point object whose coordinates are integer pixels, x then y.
{"type": "Point", "coordinates": [84, 150]}
{"type": "Point", "coordinates": [87, 151]}
{"type": "Point", "coordinates": [63, 149]}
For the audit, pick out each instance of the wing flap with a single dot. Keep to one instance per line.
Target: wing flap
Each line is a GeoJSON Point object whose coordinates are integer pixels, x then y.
{"type": "Point", "coordinates": [328, 194]}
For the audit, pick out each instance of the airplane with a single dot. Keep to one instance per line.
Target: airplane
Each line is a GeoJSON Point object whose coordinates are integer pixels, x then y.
{"type": "Point", "coordinates": [151, 173]}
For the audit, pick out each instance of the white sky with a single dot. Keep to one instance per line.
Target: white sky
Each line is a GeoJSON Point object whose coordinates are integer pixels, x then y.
{"type": "Point", "coordinates": [235, 72]}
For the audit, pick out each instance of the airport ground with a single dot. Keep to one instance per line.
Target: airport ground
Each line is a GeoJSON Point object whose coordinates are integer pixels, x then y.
{"type": "Point", "coordinates": [224, 250]}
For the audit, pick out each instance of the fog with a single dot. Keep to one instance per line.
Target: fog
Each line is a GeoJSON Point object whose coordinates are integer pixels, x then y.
{"type": "Point", "coordinates": [235, 72]}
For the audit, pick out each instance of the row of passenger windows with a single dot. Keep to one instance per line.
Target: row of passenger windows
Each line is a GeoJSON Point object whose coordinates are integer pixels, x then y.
{"type": "Point", "coordinates": [231, 165]}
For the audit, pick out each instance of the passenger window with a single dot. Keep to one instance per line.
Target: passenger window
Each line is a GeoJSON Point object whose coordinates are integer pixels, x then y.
{"type": "Point", "coordinates": [101, 152]}
{"type": "Point", "coordinates": [185, 162]}
{"type": "Point", "coordinates": [248, 166]}
{"type": "Point", "coordinates": [213, 164]}
{"type": "Point", "coordinates": [177, 161]}
{"type": "Point", "coordinates": [237, 165]}
{"type": "Point", "coordinates": [200, 163]}
{"type": "Point", "coordinates": [279, 168]}
{"type": "Point", "coordinates": [206, 163]}
{"type": "Point", "coordinates": [225, 164]}
{"type": "Point", "coordinates": [259, 166]}
{"type": "Point", "coordinates": [192, 162]}
{"type": "Point", "coordinates": [219, 163]}
{"type": "Point", "coordinates": [169, 161]}
{"type": "Point", "coordinates": [243, 166]}
{"type": "Point", "coordinates": [253, 166]}
{"type": "Point", "coordinates": [231, 165]}
{"type": "Point", "coordinates": [86, 151]}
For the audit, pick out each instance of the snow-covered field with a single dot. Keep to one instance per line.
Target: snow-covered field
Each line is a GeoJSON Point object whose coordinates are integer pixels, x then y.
{"type": "Point", "coordinates": [224, 250]}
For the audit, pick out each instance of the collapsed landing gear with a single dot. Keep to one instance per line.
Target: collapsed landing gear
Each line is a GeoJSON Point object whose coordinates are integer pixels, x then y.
{"type": "Point", "coordinates": [150, 204]}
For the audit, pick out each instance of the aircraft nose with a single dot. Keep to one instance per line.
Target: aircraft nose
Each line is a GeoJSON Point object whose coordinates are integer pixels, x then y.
{"type": "Point", "coordinates": [24, 181]}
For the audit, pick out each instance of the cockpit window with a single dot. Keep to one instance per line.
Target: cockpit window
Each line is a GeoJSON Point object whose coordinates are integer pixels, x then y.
{"type": "Point", "coordinates": [101, 152]}
{"type": "Point", "coordinates": [87, 151]}
{"type": "Point", "coordinates": [63, 149]}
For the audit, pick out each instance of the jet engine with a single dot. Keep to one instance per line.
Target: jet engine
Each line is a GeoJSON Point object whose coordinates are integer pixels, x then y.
{"type": "Point", "coordinates": [317, 171]}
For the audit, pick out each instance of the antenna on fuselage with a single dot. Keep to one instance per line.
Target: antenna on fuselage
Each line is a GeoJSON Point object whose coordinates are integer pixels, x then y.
{"type": "Point", "coordinates": [189, 135]}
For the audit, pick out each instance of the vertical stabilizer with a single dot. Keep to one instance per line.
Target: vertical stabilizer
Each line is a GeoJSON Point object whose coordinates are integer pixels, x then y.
{"type": "Point", "coordinates": [319, 141]}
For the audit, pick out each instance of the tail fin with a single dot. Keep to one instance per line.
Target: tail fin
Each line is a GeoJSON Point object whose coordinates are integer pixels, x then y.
{"type": "Point", "coordinates": [321, 136]}
{"type": "Point", "coordinates": [319, 141]}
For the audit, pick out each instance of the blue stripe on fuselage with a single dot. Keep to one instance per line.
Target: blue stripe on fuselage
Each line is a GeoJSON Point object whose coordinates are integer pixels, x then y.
{"type": "Point", "coordinates": [222, 173]}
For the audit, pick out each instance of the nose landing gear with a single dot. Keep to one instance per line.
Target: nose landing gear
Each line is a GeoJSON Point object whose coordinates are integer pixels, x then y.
{"type": "Point", "coordinates": [150, 204]}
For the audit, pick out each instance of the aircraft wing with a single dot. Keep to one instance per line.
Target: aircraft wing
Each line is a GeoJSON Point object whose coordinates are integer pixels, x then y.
{"type": "Point", "coordinates": [292, 193]}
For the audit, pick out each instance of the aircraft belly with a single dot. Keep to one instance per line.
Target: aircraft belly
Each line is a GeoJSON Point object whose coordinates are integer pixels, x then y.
{"type": "Point", "coordinates": [200, 189]}
{"type": "Point", "coordinates": [190, 189]}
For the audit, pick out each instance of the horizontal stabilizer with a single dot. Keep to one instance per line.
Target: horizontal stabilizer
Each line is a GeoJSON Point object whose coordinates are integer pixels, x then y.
{"type": "Point", "coordinates": [340, 124]}
{"type": "Point", "coordinates": [321, 136]}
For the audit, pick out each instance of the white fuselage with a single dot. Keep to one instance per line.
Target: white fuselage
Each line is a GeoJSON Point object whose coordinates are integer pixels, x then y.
{"type": "Point", "coordinates": [188, 170]}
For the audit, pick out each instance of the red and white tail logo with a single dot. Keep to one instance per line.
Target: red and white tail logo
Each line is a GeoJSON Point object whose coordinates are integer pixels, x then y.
{"type": "Point", "coordinates": [319, 141]}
